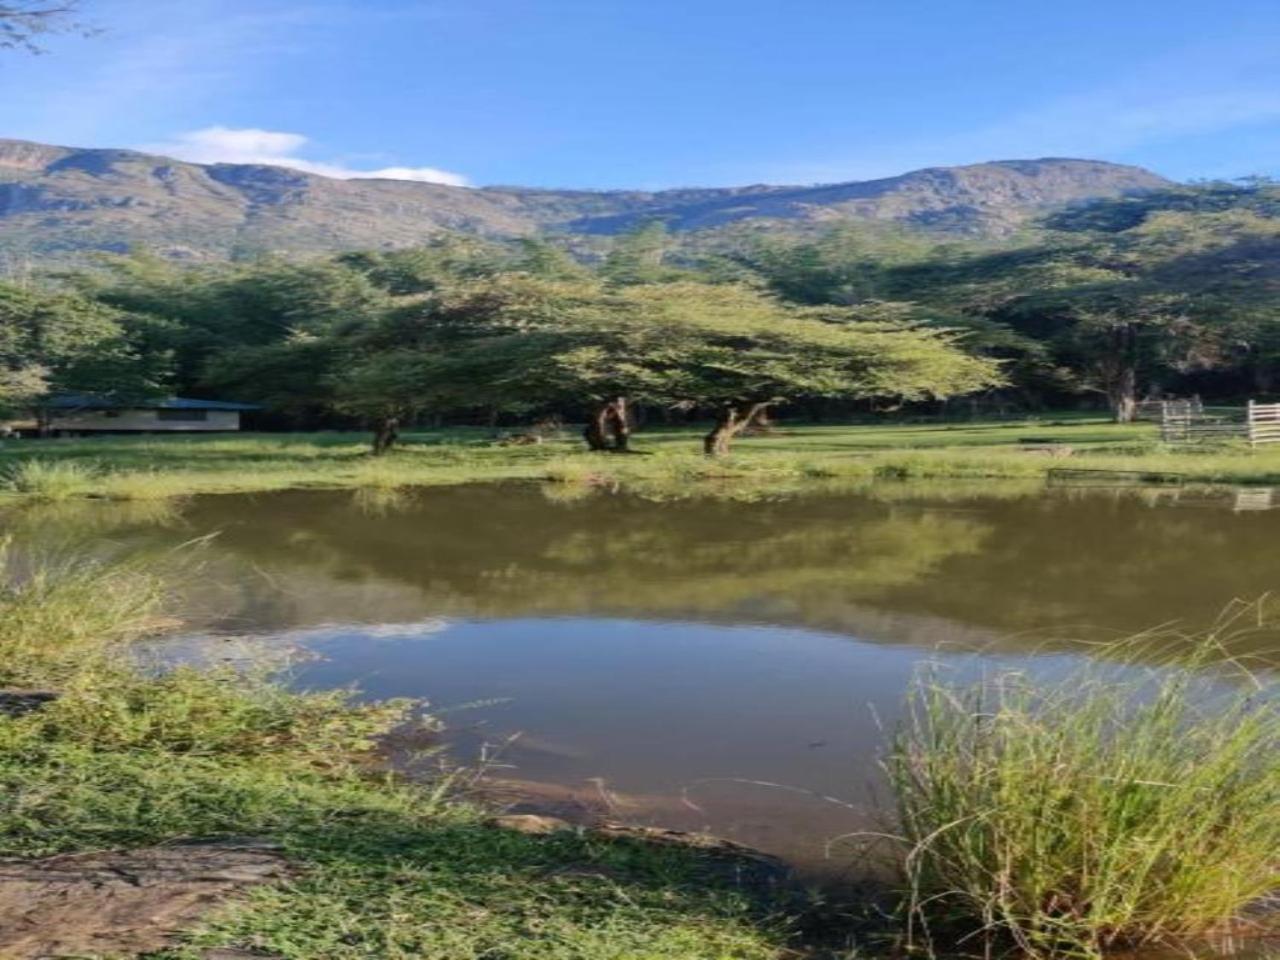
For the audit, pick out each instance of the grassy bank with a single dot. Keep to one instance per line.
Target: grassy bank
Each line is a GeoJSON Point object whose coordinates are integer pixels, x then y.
{"type": "Point", "coordinates": [386, 869]}
{"type": "Point", "coordinates": [141, 468]}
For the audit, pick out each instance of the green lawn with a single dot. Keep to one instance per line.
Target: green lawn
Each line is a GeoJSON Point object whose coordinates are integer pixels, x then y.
{"type": "Point", "coordinates": [155, 467]}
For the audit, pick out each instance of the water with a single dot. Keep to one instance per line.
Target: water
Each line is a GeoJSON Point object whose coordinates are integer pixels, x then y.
{"type": "Point", "coordinates": [699, 663]}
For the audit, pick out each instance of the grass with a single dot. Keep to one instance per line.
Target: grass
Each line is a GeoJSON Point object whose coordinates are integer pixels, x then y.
{"type": "Point", "coordinates": [143, 467]}
{"type": "Point", "coordinates": [47, 480]}
{"type": "Point", "coordinates": [1118, 807]}
{"type": "Point", "coordinates": [58, 613]}
{"type": "Point", "coordinates": [130, 756]}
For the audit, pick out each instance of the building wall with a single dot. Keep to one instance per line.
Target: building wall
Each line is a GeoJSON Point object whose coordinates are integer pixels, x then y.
{"type": "Point", "coordinates": [142, 420]}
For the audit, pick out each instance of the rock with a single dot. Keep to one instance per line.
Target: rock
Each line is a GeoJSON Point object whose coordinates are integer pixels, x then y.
{"type": "Point", "coordinates": [532, 824]}
{"type": "Point", "coordinates": [124, 902]}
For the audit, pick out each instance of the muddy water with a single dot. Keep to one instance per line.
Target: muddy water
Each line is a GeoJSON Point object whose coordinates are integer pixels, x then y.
{"type": "Point", "coordinates": [695, 663]}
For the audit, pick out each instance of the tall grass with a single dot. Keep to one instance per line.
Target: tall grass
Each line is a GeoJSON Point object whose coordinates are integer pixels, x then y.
{"type": "Point", "coordinates": [1115, 807]}
{"type": "Point", "coordinates": [48, 480]}
{"type": "Point", "coordinates": [58, 612]}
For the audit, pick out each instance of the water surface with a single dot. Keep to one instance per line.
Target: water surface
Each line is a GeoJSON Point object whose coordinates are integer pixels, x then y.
{"type": "Point", "coordinates": [697, 663]}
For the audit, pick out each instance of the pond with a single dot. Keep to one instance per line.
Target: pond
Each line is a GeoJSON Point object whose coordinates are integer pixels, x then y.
{"type": "Point", "coordinates": [700, 663]}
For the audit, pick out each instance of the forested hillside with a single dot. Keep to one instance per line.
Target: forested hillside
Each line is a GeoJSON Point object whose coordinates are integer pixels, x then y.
{"type": "Point", "coordinates": [1173, 291]}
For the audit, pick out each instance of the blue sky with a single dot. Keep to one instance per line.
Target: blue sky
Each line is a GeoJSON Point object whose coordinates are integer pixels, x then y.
{"type": "Point", "coordinates": [662, 93]}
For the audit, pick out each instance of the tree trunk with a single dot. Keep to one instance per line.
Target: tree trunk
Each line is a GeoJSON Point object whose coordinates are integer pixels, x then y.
{"type": "Point", "coordinates": [620, 423]}
{"type": "Point", "coordinates": [731, 421]}
{"type": "Point", "coordinates": [609, 428]}
{"type": "Point", "coordinates": [1123, 395]}
{"type": "Point", "coordinates": [597, 430]}
{"type": "Point", "coordinates": [1122, 383]}
{"type": "Point", "coordinates": [760, 424]}
{"type": "Point", "coordinates": [1264, 377]}
{"type": "Point", "coordinates": [385, 434]}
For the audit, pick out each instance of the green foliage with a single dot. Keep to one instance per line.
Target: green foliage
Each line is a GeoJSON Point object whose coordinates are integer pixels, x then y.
{"type": "Point", "coordinates": [1171, 291]}
{"type": "Point", "coordinates": [63, 343]}
{"type": "Point", "coordinates": [530, 345]}
{"type": "Point", "coordinates": [443, 260]}
{"type": "Point", "coordinates": [639, 256]}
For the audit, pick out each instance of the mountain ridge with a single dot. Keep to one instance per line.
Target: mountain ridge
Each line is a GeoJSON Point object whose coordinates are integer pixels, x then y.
{"type": "Point", "coordinates": [63, 202]}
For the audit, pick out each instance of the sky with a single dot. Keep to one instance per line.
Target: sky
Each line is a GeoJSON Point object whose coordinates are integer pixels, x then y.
{"type": "Point", "coordinates": [652, 94]}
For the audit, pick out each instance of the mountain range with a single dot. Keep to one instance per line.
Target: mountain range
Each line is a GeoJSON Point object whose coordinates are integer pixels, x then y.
{"type": "Point", "coordinates": [60, 203]}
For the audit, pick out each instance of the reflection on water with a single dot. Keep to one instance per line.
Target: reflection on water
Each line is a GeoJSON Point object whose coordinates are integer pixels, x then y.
{"type": "Point", "coordinates": [669, 660]}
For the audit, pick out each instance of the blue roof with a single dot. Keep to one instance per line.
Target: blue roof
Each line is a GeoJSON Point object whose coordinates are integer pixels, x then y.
{"type": "Point", "coordinates": [81, 401]}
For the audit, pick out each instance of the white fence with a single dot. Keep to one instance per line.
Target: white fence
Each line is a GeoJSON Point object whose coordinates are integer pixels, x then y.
{"type": "Point", "coordinates": [1264, 423]}
{"type": "Point", "coordinates": [1158, 410]}
{"type": "Point", "coordinates": [1183, 422]}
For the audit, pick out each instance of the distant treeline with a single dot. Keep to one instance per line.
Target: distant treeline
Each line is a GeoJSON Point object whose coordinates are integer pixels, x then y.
{"type": "Point", "coordinates": [1167, 293]}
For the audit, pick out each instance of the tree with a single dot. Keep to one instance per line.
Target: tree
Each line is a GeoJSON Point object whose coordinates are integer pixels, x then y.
{"type": "Point", "coordinates": [294, 378]}
{"type": "Point", "coordinates": [726, 349]}
{"type": "Point", "coordinates": [24, 22]}
{"type": "Point", "coordinates": [21, 388]}
{"type": "Point", "coordinates": [540, 258]}
{"type": "Point", "coordinates": [385, 390]}
{"type": "Point", "coordinates": [743, 353]}
{"type": "Point", "coordinates": [847, 265]}
{"type": "Point", "coordinates": [53, 344]}
{"type": "Point", "coordinates": [202, 313]}
{"type": "Point", "coordinates": [638, 256]}
{"type": "Point", "coordinates": [442, 261]}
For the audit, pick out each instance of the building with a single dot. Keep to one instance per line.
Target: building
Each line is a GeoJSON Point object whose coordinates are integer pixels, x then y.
{"type": "Point", "coordinates": [72, 414]}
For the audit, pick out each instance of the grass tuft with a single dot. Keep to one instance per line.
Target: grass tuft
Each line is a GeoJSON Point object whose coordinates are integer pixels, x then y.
{"type": "Point", "coordinates": [1116, 807]}
{"type": "Point", "coordinates": [57, 612]}
{"type": "Point", "coordinates": [49, 480]}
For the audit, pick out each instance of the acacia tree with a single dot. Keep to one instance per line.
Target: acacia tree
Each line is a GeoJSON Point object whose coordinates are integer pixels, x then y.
{"type": "Point", "coordinates": [1117, 336]}
{"type": "Point", "coordinates": [24, 22]}
{"type": "Point", "coordinates": [745, 353]}
{"type": "Point", "coordinates": [727, 349]}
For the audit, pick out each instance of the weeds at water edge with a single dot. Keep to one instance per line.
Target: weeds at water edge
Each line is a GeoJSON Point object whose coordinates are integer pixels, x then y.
{"type": "Point", "coordinates": [1119, 806]}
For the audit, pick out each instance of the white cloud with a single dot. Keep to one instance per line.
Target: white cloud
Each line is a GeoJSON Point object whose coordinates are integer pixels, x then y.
{"type": "Point", "coordinates": [279, 149]}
